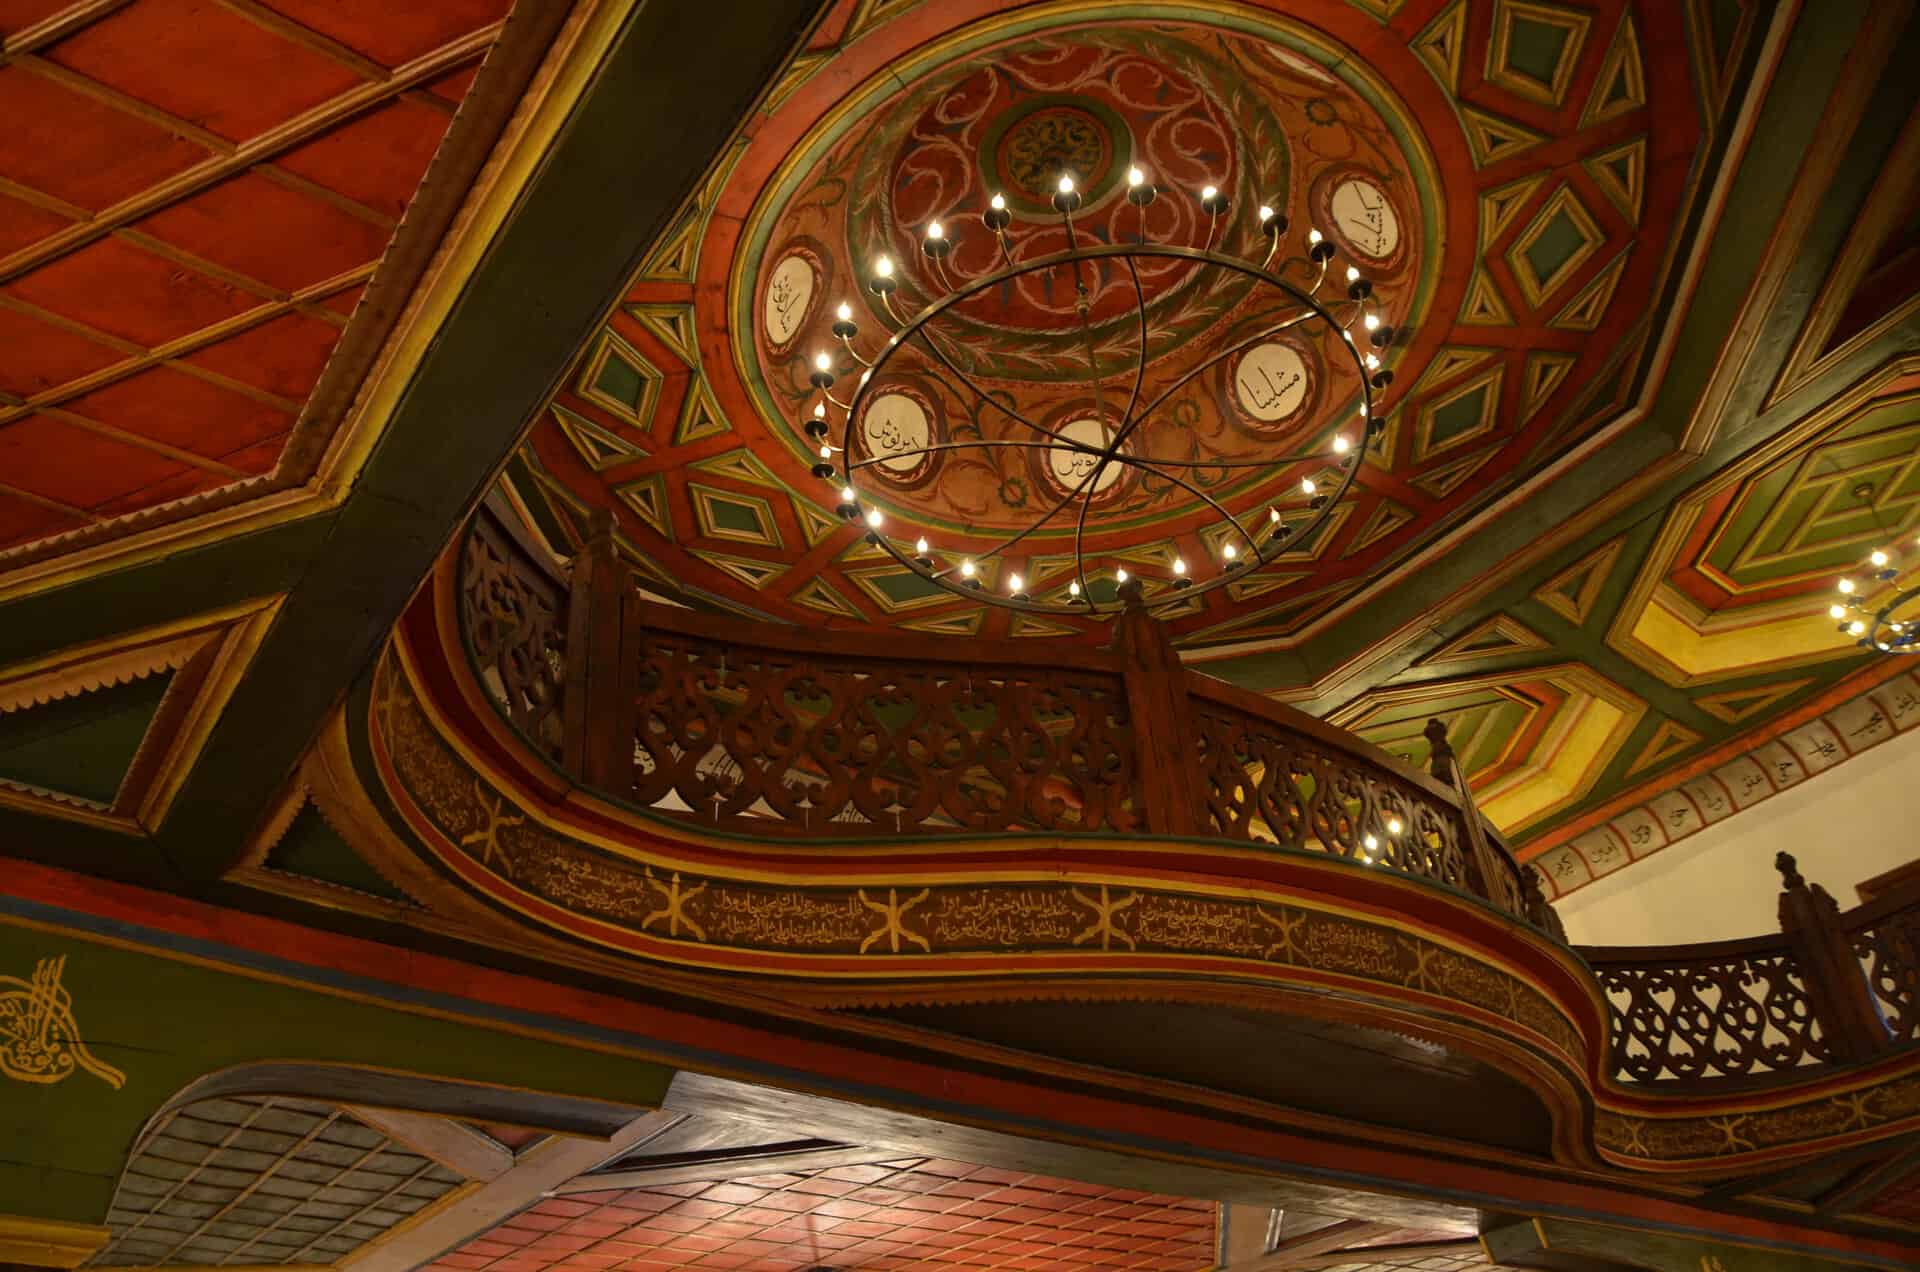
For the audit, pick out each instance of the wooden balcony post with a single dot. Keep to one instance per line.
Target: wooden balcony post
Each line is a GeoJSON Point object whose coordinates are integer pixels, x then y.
{"type": "Point", "coordinates": [1166, 757]}
{"type": "Point", "coordinates": [1484, 856]}
{"type": "Point", "coordinates": [1837, 989]}
{"type": "Point", "coordinates": [599, 735]}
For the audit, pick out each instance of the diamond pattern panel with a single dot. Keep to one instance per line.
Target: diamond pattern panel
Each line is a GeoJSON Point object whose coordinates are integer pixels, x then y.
{"type": "Point", "coordinates": [911, 1213]}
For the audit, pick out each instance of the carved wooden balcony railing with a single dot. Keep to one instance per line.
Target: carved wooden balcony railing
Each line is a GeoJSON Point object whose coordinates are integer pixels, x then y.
{"type": "Point", "coordinates": [779, 732]}
{"type": "Point", "coordinates": [1828, 988]}
{"type": "Point", "coordinates": [776, 732]}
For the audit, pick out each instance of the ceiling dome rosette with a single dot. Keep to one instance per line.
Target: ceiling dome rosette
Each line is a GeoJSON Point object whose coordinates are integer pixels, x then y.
{"type": "Point", "coordinates": [1350, 127]}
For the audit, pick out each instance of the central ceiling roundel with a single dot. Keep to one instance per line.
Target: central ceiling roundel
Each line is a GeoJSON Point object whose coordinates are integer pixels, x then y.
{"type": "Point", "coordinates": [1494, 169]}
{"type": "Point", "coordinates": [1192, 105]}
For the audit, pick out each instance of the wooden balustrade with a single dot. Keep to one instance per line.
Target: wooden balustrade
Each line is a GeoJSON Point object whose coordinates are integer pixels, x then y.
{"type": "Point", "coordinates": [1829, 987]}
{"type": "Point", "coordinates": [779, 732]}
{"type": "Point", "coordinates": [782, 732]}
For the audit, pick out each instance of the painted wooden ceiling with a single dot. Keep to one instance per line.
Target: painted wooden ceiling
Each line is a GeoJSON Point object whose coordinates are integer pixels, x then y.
{"type": "Point", "coordinates": [1607, 569]}
{"type": "Point", "coordinates": [1663, 382]}
{"type": "Point", "coordinates": [194, 199]}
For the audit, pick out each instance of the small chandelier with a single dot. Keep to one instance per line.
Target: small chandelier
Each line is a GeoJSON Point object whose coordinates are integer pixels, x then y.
{"type": "Point", "coordinates": [1320, 300]}
{"type": "Point", "coordinates": [1878, 616]}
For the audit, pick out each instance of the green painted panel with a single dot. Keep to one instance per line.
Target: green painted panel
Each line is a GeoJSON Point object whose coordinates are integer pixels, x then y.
{"type": "Point", "coordinates": [1535, 48]}
{"type": "Point", "coordinates": [739, 518]}
{"type": "Point", "coordinates": [1461, 415]}
{"type": "Point", "coordinates": [314, 850]}
{"type": "Point", "coordinates": [1554, 246]}
{"type": "Point", "coordinates": [164, 1023]}
{"type": "Point", "coordinates": [80, 745]}
{"type": "Point", "coordinates": [905, 586]}
{"type": "Point", "coordinates": [621, 380]}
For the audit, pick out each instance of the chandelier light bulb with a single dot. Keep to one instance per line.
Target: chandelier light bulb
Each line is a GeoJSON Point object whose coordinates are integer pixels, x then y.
{"type": "Point", "coordinates": [1208, 193]}
{"type": "Point", "coordinates": [826, 451]}
{"type": "Point", "coordinates": [1273, 515]}
{"type": "Point", "coordinates": [1306, 486]}
{"type": "Point", "coordinates": [1013, 582]}
{"type": "Point", "coordinates": [1878, 558]}
{"type": "Point", "coordinates": [1372, 322]}
{"type": "Point", "coordinates": [1314, 237]}
{"type": "Point", "coordinates": [1836, 611]}
{"type": "Point", "coordinates": [1135, 177]}
{"type": "Point", "coordinates": [819, 410]}
{"type": "Point", "coordinates": [883, 266]}
{"type": "Point", "coordinates": [1229, 552]}
{"type": "Point", "coordinates": [844, 313]}
{"type": "Point", "coordinates": [1856, 627]}
{"type": "Point", "coordinates": [1073, 589]}
{"type": "Point", "coordinates": [1394, 826]}
{"type": "Point", "coordinates": [847, 495]}
{"type": "Point", "coordinates": [1373, 363]}
{"type": "Point", "coordinates": [1120, 575]}
{"type": "Point", "coordinates": [998, 203]}
{"type": "Point", "coordinates": [1179, 566]}
{"type": "Point", "coordinates": [822, 361]}
{"type": "Point", "coordinates": [920, 545]}
{"type": "Point", "coordinates": [874, 518]}
{"type": "Point", "coordinates": [1371, 842]}
{"type": "Point", "coordinates": [1066, 184]}
{"type": "Point", "coordinates": [1353, 274]}
{"type": "Point", "coordinates": [934, 230]}
{"type": "Point", "coordinates": [1266, 214]}
{"type": "Point", "coordinates": [1341, 445]}
{"type": "Point", "coordinates": [966, 569]}
{"type": "Point", "coordinates": [1846, 587]}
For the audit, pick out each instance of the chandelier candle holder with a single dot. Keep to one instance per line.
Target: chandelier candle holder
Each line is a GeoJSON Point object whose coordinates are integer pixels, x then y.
{"type": "Point", "coordinates": [1888, 620]}
{"type": "Point", "coordinates": [1098, 427]}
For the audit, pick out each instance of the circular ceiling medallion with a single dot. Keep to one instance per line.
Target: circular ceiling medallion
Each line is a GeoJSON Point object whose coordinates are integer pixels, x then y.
{"type": "Point", "coordinates": [1272, 383]}
{"type": "Point", "coordinates": [1069, 469]}
{"type": "Point", "coordinates": [896, 432]}
{"type": "Point", "coordinates": [1361, 215]}
{"type": "Point", "coordinates": [1028, 150]}
{"type": "Point", "coordinates": [789, 299]}
{"type": "Point", "coordinates": [1192, 102]}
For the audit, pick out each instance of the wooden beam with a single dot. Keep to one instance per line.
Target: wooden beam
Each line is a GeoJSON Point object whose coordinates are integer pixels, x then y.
{"type": "Point", "coordinates": [1856, 1192]}
{"type": "Point", "coordinates": [453, 1144]}
{"type": "Point", "coordinates": [467, 1212]}
{"type": "Point", "coordinates": [736, 1166]}
{"type": "Point", "coordinates": [1301, 1251]}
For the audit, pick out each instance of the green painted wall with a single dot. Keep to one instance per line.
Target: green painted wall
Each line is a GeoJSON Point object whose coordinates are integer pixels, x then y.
{"type": "Point", "coordinates": [165, 1023]}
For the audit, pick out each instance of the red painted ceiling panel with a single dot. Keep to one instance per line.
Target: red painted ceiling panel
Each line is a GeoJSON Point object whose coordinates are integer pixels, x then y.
{"type": "Point", "coordinates": [188, 481]}
{"type": "Point", "coordinates": [22, 520]}
{"type": "Point", "coordinates": [22, 224]}
{"type": "Point", "coordinates": [246, 79]}
{"type": "Point", "coordinates": [40, 355]}
{"type": "Point", "coordinates": [391, 33]}
{"type": "Point", "coordinates": [378, 159]}
{"type": "Point", "coordinates": [284, 356]}
{"type": "Point", "coordinates": [68, 145]}
{"type": "Point", "coordinates": [454, 86]}
{"type": "Point", "coordinates": [116, 287]}
{"type": "Point", "coordinates": [184, 411]}
{"type": "Point", "coordinates": [247, 225]}
{"type": "Point", "coordinates": [16, 15]}
{"type": "Point", "coordinates": [71, 465]}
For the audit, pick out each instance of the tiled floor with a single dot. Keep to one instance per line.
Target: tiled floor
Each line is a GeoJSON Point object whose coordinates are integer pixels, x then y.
{"type": "Point", "coordinates": [912, 1213]}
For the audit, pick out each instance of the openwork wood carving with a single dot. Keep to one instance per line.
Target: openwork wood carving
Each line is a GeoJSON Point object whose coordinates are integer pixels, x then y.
{"type": "Point", "coordinates": [1267, 784]}
{"type": "Point", "coordinates": [1887, 943]}
{"type": "Point", "coordinates": [784, 733]}
{"type": "Point", "coordinates": [786, 743]}
{"type": "Point", "coordinates": [514, 616]}
{"type": "Point", "coordinates": [1730, 1009]}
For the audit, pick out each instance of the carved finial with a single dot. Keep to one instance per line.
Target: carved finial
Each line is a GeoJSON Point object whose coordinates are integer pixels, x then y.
{"type": "Point", "coordinates": [1436, 733]}
{"type": "Point", "coordinates": [1789, 871]}
{"type": "Point", "coordinates": [1133, 596]}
